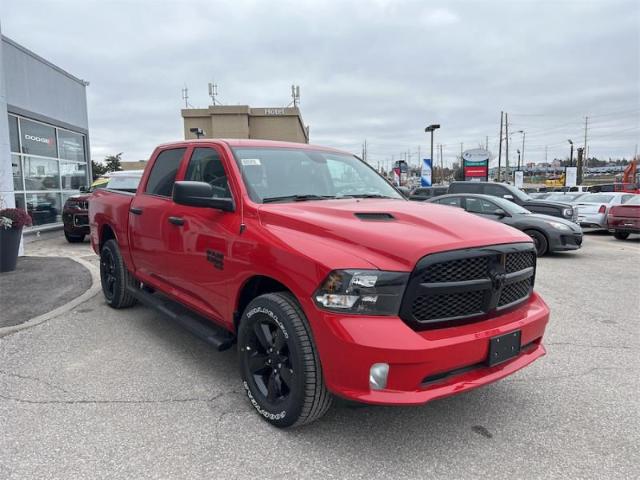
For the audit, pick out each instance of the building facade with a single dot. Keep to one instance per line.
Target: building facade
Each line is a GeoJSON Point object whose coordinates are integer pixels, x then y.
{"type": "Point", "coordinates": [44, 137]}
{"type": "Point", "coordinates": [242, 121]}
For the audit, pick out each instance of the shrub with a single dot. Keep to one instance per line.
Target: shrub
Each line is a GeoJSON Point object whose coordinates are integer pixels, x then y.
{"type": "Point", "coordinates": [14, 218]}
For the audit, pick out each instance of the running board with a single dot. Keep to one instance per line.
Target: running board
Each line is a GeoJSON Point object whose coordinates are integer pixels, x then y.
{"type": "Point", "coordinates": [214, 335]}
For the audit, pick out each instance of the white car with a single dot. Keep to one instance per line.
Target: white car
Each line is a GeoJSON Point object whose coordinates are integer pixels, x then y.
{"type": "Point", "coordinates": [593, 208]}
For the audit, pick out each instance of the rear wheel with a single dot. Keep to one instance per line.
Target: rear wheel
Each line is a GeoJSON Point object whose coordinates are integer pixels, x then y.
{"type": "Point", "coordinates": [74, 238]}
{"type": "Point", "coordinates": [540, 241]}
{"type": "Point", "coordinates": [279, 362]}
{"type": "Point", "coordinates": [115, 277]}
{"type": "Point", "coordinates": [621, 235]}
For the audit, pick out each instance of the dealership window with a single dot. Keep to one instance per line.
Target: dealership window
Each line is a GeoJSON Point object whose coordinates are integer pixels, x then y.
{"type": "Point", "coordinates": [49, 164]}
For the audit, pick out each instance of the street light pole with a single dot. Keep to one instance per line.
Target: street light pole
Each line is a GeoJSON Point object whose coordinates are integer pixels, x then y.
{"type": "Point", "coordinates": [431, 128]}
{"type": "Point", "coordinates": [518, 158]}
{"type": "Point", "coordinates": [571, 154]}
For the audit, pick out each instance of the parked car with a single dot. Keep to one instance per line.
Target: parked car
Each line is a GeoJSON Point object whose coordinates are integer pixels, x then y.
{"type": "Point", "coordinates": [615, 187]}
{"type": "Point", "coordinates": [333, 286]}
{"type": "Point", "coordinates": [624, 219]}
{"type": "Point", "coordinates": [555, 209]}
{"type": "Point", "coordinates": [593, 208]}
{"type": "Point", "coordinates": [421, 194]}
{"type": "Point", "coordinates": [75, 212]}
{"type": "Point", "coordinates": [565, 197]}
{"type": "Point", "coordinates": [550, 234]}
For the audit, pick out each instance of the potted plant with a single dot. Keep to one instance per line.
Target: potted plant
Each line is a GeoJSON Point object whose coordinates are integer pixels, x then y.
{"type": "Point", "coordinates": [12, 220]}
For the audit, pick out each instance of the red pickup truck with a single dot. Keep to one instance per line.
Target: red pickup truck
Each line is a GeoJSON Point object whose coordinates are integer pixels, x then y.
{"type": "Point", "coordinates": [329, 280]}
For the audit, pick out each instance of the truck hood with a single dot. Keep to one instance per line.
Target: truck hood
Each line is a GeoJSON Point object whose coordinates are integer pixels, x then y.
{"type": "Point", "coordinates": [388, 234]}
{"type": "Point", "coordinates": [542, 203]}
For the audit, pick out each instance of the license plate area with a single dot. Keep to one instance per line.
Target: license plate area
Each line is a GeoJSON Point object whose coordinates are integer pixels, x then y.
{"type": "Point", "coordinates": [504, 348]}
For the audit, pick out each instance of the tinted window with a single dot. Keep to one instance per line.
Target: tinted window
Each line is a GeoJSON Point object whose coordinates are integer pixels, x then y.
{"type": "Point", "coordinates": [422, 192]}
{"type": "Point", "coordinates": [38, 139]}
{"type": "Point", "coordinates": [451, 201]}
{"type": "Point", "coordinates": [71, 145]}
{"type": "Point", "coordinates": [14, 137]}
{"type": "Point", "coordinates": [205, 166]}
{"type": "Point", "coordinates": [496, 190]}
{"type": "Point", "coordinates": [477, 205]}
{"type": "Point", "coordinates": [471, 187]}
{"type": "Point", "coordinates": [163, 173]}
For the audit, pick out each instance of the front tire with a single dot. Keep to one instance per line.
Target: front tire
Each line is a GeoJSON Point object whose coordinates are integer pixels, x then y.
{"type": "Point", "coordinates": [279, 363]}
{"type": "Point", "coordinates": [115, 277]}
{"type": "Point", "coordinates": [540, 241]}
{"type": "Point", "coordinates": [621, 235]}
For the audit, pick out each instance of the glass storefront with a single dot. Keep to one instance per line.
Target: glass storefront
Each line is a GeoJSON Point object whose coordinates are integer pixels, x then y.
{"type": "Point", "coordinates": [49, 165]}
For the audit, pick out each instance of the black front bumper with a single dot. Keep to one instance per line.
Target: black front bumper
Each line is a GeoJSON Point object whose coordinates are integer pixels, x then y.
{"type": "Point", "coordinates": [563, 242]}
{"type": "Point", "coordinates": [76, 223]}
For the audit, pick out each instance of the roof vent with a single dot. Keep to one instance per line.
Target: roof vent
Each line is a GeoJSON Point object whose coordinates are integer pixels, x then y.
{"type": "Point", "coordinates": [375, 216]}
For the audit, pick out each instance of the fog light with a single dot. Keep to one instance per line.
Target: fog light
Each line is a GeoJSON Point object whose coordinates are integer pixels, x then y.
{"type": "Point", "coordinates": [378, 376]}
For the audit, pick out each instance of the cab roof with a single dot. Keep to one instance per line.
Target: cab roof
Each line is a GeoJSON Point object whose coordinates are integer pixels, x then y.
{"type": "Point", "coordinates": [255, 143]}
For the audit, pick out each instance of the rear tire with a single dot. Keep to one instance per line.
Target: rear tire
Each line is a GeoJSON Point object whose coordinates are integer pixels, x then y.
{"type": "Point", "coordinates": [279, 363]}
{"type": "Point", "coordinates": [540, 241]}
{"type": "Point", "coordinates": [621, 235]}
{"type": "Point", "coordinates": [115, 277]}
{"type": "Point", "coordinates": [74, 238]}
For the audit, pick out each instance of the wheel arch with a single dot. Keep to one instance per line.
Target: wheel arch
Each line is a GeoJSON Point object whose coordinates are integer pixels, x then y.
{"type": "Point", "coordinates": [107, 233]}
{"type": "Point", "coordinates": [253, 287]}
{"type": "Point", "coordinates": [541, 232]}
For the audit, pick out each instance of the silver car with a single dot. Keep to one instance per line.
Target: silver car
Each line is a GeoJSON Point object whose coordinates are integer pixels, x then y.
{"type": "Point", "coordinates": [593, 208]}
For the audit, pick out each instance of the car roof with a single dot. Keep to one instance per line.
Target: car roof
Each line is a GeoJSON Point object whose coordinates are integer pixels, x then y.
{"type": "Point", "coordinates": [481, 196]}
{"type": "Point", "coordinates": [255, 143]}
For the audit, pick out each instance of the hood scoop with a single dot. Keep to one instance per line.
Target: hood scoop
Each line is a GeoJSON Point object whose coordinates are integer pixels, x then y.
{"type": "Point", "coordinates": [375, 216]}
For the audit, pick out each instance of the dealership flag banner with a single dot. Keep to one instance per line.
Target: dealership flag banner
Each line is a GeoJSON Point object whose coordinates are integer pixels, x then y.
{"type": "Point", "coordinates": [425, 175]}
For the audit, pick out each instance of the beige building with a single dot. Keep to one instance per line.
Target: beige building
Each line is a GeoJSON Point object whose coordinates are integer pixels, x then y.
{"type": "Point", "coordinates": [242, 121]}
{"type": "Point", "coordinates": [133, 165]}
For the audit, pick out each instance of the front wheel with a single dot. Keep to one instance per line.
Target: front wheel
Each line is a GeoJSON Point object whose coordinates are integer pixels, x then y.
{"type": "Point", "coordinates": [540, 241]}
{"type": "Point", "coordinates": [621, 235]}
{"type": "Point", "coordinates": [279, 363]}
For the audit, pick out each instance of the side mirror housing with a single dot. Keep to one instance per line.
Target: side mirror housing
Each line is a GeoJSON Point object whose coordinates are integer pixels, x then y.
{"type": "Point", "coordinates": [500, 213]}
{"type": "Point", "coordinates": [200, 194]}
{"type": "Point", "coordinates": [508, 196]}
{"type": "Point", "coordinates": [84, 189]}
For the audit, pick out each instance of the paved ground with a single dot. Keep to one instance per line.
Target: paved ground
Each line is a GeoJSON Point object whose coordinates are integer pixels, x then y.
{"type": "Point", "coordinates": [36, 287]}
{"type": "Point", "coordinates": [100, 393]}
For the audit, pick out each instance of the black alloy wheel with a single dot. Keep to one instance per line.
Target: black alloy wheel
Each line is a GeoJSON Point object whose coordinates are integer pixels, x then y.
{"type": "Point", "coordinates": [115, 278]}
{"type": "Point", "coordinates": [267, 356]}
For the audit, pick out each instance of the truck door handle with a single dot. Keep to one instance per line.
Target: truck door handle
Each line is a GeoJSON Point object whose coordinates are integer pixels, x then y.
{"type": "Point", "coordinates": [136, 211]}
{"type": "Point", "coordinates": [176, 220]}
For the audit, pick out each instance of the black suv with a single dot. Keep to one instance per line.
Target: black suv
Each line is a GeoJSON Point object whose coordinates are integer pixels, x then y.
{"type": "Point", "coordinates": [503, 190]}
{"type": "Point", "coordinates": [422, 194]}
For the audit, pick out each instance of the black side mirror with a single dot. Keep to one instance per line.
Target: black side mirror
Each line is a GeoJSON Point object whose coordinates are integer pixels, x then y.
{"type": "Point", "coordinates": [200, 194]}
{"type": "Point", "coordinates": [84, 189]}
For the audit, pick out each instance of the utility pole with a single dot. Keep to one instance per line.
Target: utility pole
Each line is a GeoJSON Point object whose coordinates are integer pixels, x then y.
{"type": "Point", "coordinates": [586, 126]}
{"type": "Point", "coordinates": [506, 135]}
{"type": "Point", "coordinates": [579, 173]}
{"type": "Point", "coordinates": [441, 164]}
{"type": "Point", "coordinates": [486, 143]}
{"type": "Point", "coordinates": [523, 135]}
{"type": "Point", "coordinates": [500, 146]}
{"type": "Point", "coordinates": [419, 159]}
{"type": "Point", "coordinates": [546, 151]}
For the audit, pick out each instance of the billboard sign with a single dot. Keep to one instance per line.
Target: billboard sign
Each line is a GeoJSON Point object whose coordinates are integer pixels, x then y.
{"type": "Point", "coordinates": [476, 164]}
{"type": "Point", "coordinates": [426, 173]}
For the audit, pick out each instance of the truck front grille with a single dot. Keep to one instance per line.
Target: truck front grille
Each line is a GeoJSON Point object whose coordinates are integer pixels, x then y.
{"type": "Point", "coordinates": [468, 285]}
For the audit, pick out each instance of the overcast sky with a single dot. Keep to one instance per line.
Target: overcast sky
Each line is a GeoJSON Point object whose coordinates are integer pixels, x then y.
{"type": "Point", "coordinates": [379, 70]}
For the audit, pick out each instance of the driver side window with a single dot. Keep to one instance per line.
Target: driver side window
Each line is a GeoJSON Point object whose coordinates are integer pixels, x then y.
{"type": "Point", "coordinates": [477, 205]}
{"type": "Point", "coordinates": [206, 166]}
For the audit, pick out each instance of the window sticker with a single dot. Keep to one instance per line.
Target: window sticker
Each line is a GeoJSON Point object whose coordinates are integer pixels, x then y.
{"type": "Point", "coordinates": [250, 162]}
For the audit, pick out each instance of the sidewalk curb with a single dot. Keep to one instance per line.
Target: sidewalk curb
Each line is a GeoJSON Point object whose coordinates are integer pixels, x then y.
{"type": "Point", "coordinates": [91, 292]}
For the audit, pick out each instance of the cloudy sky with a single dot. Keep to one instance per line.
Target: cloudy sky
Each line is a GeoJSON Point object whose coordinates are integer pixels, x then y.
{"type": "Point", "coordinates": [379, 70]}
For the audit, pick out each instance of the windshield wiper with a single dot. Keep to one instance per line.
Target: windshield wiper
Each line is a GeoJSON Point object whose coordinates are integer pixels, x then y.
{"type": "Point", "coordinates": [296, 198]}
{"type": "Point", "coordinates": [367, 195]}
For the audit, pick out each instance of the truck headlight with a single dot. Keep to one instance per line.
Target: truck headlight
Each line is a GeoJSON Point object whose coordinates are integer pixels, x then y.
{"type": "Point", "coordinates": [366, 292]}
{"type": "Point", "coordinates": [568, 212]}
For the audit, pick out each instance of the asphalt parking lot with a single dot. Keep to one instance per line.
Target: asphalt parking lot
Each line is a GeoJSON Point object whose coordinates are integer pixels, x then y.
{"type": "Point", "coordinates": [99, 393]}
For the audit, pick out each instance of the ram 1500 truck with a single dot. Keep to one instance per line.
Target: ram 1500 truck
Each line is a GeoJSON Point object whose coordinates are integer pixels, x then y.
{"type": "Point", "coordinates": [329, 280]}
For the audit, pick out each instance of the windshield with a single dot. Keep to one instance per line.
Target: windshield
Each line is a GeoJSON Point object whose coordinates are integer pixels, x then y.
{"type": "Point", "coordinates": [289, 174]}
{"type": "Point", "coordinates": [126, 183]}
{"type": "Point", "coordinates": [509, 207]}
{"type": "Point", "coordinates": [596, 198]}
{"type": "Point", "coordinates": [519, 194]}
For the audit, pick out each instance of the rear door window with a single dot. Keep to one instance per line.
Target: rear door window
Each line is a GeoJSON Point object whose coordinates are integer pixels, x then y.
{"type": "Point", "coordinates": [163, 172]}
{"type": "Point", "coordinates": [451, 201]}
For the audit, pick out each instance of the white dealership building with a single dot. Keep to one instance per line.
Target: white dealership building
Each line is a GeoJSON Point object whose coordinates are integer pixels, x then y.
{"type": "Point", "coordinates": [44, 134]}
